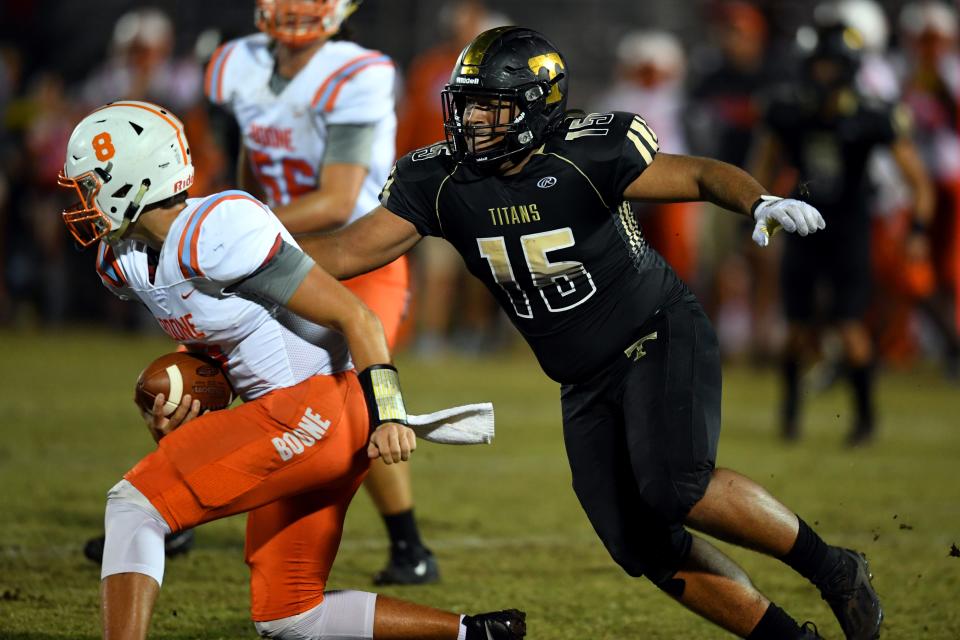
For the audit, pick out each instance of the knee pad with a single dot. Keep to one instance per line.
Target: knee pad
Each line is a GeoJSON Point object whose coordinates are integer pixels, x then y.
{"type": "Point", "coordinates": [667, 558]}
{"type": "Point", "coordinates": [343, 615]}
{"type": "Point", "coordinates": [658, 554]}
{"type": "Point", "coordinates": [134, 534]}
{"type": "Point", "coordinates": [671, 499]}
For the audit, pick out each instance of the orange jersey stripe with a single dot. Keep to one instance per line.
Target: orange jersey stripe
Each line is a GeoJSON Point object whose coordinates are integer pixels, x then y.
{"type": "Point", "coordinates": [208, 74]}
{"type": "Point", "coordinates": [215, 72]}
{"type": "Point", "coordinates": [332, 76]}
{"type": "Point", "coordinates": [192, 230]}
{"type": "Point", "coordinates": [331, 101]}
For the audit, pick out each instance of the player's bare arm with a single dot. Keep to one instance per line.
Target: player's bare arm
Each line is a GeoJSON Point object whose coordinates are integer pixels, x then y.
{"type": "Point", "coordinates": [323, 300]}
{"type": "Point", "coordinates": [246, 179]}
{"type": "Point", "coordinates": [329, 206]}
{"type": "Point", "coordinates": [923, 206]}
{"type": "Point", "coordinates": [673, 178]}
{"type": "Point", "coordinates": [374, 240]}
{"type": "Point", "coordinates": [908, 160]}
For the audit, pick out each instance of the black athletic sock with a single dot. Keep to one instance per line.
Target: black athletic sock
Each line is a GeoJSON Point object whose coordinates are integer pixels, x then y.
{"type": "Point", "coordinates": [811, 557]}
{"type": "Point", "coordinates": [861, 377]}
{"type": "Point", "coordinates": [776, 624]}
{"type": "Point", "coordinates": [403, 532]}
{"type": "Point", "coordinates": [791, 398]}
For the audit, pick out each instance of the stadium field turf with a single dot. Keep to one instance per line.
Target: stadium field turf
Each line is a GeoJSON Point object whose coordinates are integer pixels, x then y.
{"type": "Point", "coordinates": [502, 519]}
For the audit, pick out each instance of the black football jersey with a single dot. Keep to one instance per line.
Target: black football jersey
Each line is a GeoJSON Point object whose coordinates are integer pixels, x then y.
{"type": "Point", "coordinates": [556, 244]}
{"type": "Point", "coordinates": [831, 154]}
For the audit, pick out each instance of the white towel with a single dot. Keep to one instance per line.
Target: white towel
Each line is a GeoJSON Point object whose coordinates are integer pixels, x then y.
{"type": "Point", "coordinates": [467, 424]}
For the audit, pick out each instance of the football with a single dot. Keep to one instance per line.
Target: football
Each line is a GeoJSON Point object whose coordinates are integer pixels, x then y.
{"type": "Point", "coordinates": [178, 374]}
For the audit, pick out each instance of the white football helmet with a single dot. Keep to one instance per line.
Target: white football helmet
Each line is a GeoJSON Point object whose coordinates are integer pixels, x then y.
{"type": "Point", "coordinates": [120, 158]}
{"type": "Point", "coordinates": [300, 22]}
{"type": "Point", "coordinates": [866, 16]}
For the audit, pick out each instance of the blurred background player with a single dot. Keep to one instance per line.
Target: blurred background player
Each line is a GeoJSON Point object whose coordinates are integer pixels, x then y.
{"type": "Point", "coordinates": [316, 116]}
{"type": "Point", "coordinates": [452, 309]}
{"type": "Point", "coordinates": [825, 130]}
{"type": "Point", "coordinates": [650, 78]}
{"type": "Point", "coordinates": [930, 68]}
{"type": "Point", "coordinates": [224, 271]}
{"type": "Point", "coordinates": [728, 73]}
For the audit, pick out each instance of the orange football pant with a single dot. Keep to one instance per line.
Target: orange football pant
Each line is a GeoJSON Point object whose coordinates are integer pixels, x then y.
{"type": "Point", "coordinates": [387, 292]}
{"type": "Point", "coordinates": [293, 459]}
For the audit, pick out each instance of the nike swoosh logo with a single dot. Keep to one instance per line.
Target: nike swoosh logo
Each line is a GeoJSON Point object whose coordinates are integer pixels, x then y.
{"type": "Point", "coordinates": [187, 295]}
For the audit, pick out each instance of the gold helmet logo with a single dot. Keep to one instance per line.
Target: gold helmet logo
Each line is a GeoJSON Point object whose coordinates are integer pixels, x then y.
{"type": "Point", "coordinates": [553, 64]}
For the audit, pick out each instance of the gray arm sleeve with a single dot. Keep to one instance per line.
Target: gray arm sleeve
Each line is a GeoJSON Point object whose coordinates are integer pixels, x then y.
{"type": "Point", "coordinates": [349, 144]}
{"type": "Point", "coordinates": [278, 279]}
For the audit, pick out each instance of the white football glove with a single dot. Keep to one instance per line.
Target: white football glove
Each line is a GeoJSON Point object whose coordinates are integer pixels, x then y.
{"type": "Point", "coordinates": [794, 216]}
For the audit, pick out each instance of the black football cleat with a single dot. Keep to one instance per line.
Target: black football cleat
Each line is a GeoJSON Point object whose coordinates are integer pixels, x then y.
{"type": "Point", "coordinates": [853, 599]}
{"type": "Point", "coordinates": [509, 624]}
{"type": "Point", "coordinates": [173, 545]}
{"type": "Point", "coordinates": [409, 568]}
{"type": "Point", "coordinates": [808, 631]}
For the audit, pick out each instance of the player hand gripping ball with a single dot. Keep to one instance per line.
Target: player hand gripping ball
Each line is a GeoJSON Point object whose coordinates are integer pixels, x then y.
{"type": "Point", "coordinates": [795, 216]}
{"type": "Point", "coordinates": [176, 388]}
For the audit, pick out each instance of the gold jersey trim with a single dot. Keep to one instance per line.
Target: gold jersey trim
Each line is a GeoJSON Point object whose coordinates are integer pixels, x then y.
{"type": "Point", "coordinates": [585, 176]}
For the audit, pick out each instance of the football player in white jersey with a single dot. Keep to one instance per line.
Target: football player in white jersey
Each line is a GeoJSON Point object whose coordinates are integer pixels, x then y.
{"type": "Point", "coordinates": [316, 114]}
{"type": "Point", "coordinates": [222, 275]}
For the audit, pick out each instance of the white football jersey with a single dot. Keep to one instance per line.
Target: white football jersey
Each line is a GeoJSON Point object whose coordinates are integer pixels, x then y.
{"type": "Point", "coordinates": [285, 133]}
{"type": "Point", "coordinates": [213, 243]}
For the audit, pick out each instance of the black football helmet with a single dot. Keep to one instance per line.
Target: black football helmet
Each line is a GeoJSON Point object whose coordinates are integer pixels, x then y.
{"type": "Point", "coordinates": [508, 66]}
{"type": "Point", "coordinates": [842, 47]}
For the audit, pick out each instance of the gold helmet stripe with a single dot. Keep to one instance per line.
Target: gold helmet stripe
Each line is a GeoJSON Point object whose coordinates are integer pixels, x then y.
{"type": "Point", "coordinates": [473, 56]}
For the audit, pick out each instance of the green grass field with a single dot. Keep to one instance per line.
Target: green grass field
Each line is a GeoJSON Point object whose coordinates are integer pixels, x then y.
{"type": "Point", "coordinates": [502, 519]}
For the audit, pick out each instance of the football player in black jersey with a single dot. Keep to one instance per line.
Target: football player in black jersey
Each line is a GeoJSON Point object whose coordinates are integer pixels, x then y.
{"type": "Point", "coordinates": [535, 200]}
{"type": "Point", "coordinates": [825, 129]}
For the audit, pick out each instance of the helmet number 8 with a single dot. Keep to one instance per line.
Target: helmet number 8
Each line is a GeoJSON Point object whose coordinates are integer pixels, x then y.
{"type": "Point", "coordinates": [103, 146]}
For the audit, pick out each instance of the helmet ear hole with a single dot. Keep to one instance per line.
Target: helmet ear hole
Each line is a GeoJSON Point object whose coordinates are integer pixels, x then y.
{"type": "Point", "coordinates": [122, 191]}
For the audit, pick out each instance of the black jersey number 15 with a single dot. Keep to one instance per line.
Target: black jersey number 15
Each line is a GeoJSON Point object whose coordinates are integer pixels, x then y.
{"type": "Point", "coordinates": [562, 284]}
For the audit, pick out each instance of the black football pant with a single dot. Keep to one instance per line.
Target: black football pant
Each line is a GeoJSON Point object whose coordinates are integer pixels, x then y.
{"type": "Point", "coordinates": [641, 438]}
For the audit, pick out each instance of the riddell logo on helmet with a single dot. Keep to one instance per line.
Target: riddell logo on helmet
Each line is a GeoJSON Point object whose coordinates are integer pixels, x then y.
{"type": "Point", "coordinates": [463, 80]}
{"type": "Point", "coordinates": [182, 185]}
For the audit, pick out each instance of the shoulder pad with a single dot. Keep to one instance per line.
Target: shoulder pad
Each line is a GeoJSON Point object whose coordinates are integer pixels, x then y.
{"type": "Point", "coordinates": [228, 64]}
{"type": "Point", "coordinates": [108, 267]}
{"type": "Point", "coordinates": [598, 135]}
{"type": "Point", "coordinates": [222, 238]}
{"type": "Point", "coordinates": [359, 90]}
{"type": "Point", "coordinates": [421, 164]}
